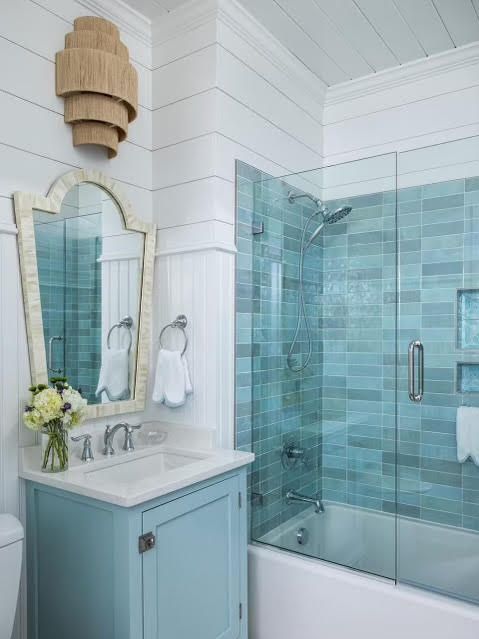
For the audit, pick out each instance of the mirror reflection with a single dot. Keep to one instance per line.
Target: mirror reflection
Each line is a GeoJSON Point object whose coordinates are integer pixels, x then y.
{"type": "Point", "coordinates": [90, 269]}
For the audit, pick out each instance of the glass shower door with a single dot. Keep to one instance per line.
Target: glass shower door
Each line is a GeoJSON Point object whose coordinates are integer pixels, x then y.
{"type": "Point", "coordinates": [323, 427]}
{"type": "Point", "coordinates": [438, 493]}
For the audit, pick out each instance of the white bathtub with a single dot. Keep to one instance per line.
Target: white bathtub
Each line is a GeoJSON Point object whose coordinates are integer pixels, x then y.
{"type": "Point", "coordinates": [295, 597]}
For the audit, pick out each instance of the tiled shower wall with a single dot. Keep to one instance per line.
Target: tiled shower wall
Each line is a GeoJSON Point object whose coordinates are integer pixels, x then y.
{"type": "Point", "coordinates": [70, 288]}
{"type": "Point", "coordinates": [438, 255]}
{"type": "Point", "coordinates": [274, 405]}
{"type": "Point", "coordinates": [439, 227]}
{"type": "Point", "coordinates": [354, 387]}
{"type": "Point", "coordinates": [83, 303]}
{"type": "Point", "coordinates": [358, 316]}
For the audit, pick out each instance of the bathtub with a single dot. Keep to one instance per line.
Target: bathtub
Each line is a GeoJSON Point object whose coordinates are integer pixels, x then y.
{"type": "Point", "coordinates": [297, 597]}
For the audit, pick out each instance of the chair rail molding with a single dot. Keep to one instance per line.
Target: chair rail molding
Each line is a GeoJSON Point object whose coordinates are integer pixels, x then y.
{"type": "Point", "coordinates": [8, 229]}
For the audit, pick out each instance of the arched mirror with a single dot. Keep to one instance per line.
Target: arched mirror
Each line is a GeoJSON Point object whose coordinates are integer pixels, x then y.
{"type": "Point", "coordinates": [87, 268]}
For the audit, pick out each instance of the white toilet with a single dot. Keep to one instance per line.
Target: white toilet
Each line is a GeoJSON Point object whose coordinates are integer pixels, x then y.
{"type": "Point", "coordinates": [11, 542]}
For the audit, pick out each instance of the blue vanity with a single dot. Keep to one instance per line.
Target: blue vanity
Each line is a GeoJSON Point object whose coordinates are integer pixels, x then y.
{"type": "Point", "coordinates": [171, 567]}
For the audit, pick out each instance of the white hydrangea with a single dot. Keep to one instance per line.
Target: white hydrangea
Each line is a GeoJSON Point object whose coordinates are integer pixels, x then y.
{"type": "Point", "coordinates": [73, 416]}
{"type": "Point", "coordinates": [49, 404]}
{"type": "Point", "coordinates": [33, 419]}
{"type": "Point", "coordinates": [62, 404]}
{"type": "Point", "coordinates": [73, 397]}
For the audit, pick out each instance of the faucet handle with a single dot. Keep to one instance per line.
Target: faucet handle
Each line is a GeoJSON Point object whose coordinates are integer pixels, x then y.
{"type": "Point", "coordinates": [128, 444]}
{"type": "Point", "coordinates": [87, 454]}
{"type": "Point", "coordinates": [131, 427]}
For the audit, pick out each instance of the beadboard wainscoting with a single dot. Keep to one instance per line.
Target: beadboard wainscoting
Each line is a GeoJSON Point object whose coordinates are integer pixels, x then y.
{"type": "Point", "coordinates": [199, 282]}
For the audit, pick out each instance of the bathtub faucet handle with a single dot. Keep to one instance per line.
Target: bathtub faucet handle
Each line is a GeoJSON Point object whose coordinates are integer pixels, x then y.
{"type": "Point", "coordinates": [291, 454]}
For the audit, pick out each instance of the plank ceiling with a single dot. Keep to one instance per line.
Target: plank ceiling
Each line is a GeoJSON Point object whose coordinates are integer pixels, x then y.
{"type": "Point", "coordinates": [344, 39]}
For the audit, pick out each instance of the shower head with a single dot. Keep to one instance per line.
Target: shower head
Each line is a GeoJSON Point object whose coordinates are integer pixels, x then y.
{"type": "Point", "coordinates": [329, 218]}
{"type": "Point", "coordinates": [338, 214]}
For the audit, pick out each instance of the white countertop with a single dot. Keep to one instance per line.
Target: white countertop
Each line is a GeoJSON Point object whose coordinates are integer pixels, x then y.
{"type": "Point", "coordinates": [157, 470]}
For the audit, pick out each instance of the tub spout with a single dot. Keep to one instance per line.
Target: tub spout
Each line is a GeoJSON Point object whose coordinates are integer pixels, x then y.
{"type": "Point", "coordinates": [293, 497]}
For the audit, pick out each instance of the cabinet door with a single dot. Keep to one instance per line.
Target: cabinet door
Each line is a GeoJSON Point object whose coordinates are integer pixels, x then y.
{"type": "Point", "coordinates": [191, 578]}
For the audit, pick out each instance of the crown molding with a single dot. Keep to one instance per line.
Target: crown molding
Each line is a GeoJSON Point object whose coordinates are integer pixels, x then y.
{"type": "Point", "coordinates": [232, 14]}
{"type": "Point", "coordinates": [417, 70]}
{"type": "Point", "coordinates": [235, 16]}
{"type": "Point", "coordinates": [186, 18]}
{"type": "Point", "coordinates": [127, 19]}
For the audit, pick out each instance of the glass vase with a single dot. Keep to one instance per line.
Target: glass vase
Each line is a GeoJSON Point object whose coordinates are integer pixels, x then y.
{"type": "Point", "coordinates": [54, 447]}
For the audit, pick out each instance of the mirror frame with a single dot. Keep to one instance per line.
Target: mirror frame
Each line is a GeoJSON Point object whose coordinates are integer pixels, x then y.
{"type": "Point", "coordinates": [25, 204]}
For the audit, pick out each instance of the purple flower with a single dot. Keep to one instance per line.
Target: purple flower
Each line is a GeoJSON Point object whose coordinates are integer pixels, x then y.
{"type": "Point", "coordinates": [66, 406]}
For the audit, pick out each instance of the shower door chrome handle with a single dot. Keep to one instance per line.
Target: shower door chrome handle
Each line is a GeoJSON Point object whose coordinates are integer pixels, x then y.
{"type": "Point", "coordinates": [57, 338]}
{"type": "Point", "coordinates": [414, 346]}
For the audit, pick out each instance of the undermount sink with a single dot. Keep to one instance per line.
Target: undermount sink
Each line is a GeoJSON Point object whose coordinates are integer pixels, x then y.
{"type": "Point", "coordinates": [127, 470]}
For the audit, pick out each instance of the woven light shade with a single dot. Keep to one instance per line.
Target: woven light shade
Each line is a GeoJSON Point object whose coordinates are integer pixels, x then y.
{"type": "Point", "coordinates": [100, 86]}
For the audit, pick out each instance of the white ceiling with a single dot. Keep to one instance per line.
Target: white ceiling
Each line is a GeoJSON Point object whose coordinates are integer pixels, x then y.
{"type": "Point", "coordinates": [154, 8]}
{"type": "Point", "coordinates": [344, 39]}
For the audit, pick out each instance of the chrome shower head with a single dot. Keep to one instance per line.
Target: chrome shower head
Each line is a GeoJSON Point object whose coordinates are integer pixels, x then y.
{"type": "Point", "coordinates": [329, 218]}
{"type": "Point", "coordinates": [338, 214]}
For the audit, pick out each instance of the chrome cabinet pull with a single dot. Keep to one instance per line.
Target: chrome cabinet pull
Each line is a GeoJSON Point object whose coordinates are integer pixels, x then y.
{"type": "Point", "coordinates": [57, 338]}
{"type": "Point", "coordinates": [414, 346]}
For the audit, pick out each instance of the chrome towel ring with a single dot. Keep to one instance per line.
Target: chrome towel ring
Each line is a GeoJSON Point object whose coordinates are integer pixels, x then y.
{"type": "Point", "coordinates": [180, 322]}
{"type": "Point", "coordinates": [126, 322]}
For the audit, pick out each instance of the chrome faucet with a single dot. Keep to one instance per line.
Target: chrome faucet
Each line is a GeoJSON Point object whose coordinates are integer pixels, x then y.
{"type": "Point", "coordinates": [293, 497]}
{"type": "Point", "coordinates": [110, 434]}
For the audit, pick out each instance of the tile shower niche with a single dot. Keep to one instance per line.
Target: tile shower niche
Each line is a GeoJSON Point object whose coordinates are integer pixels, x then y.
{"type": "Point", "coordinates": [467, 373]}
{"type": "Point", "coordinates": [467, 377]}
{"type": "Point", "coordinates": [468, 319]}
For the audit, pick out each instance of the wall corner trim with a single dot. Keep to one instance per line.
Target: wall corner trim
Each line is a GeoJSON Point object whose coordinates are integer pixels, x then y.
{"type": "Point", "coordinates": [237, 18]}
{"type": "Point", "coordinates": [433, 66]}
{"type": "Point", "coordinates": [125, 17]}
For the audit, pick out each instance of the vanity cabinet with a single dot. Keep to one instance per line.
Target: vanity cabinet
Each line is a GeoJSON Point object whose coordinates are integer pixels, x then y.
{"type": "Point", "coordinates": [172, 568]}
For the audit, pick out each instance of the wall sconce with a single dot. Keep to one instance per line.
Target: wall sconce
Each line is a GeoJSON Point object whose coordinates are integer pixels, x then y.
{"type": "Point", "coordinates": [100, 86]}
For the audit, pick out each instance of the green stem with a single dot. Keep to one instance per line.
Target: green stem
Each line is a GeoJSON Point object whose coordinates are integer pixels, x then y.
{"type": "Point", "coordinates": [56, 446]}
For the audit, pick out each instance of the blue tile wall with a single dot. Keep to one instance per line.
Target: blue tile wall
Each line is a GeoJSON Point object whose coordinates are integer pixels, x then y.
{"type": "Point", "coordinates": [442, 261]}
{"type": "Point", "coordinates": [274, 405]}
{"type": "Point", "coordinates": [70, 283]}
{"type": "Point", "coordinates": [358, 311]}
{"type": "Point", "coordinates": [345, 407]}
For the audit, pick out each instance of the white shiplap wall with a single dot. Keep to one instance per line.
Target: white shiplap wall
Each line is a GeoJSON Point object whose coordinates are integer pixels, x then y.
{"type": "Point", "coordinates": [424, 103]}
{"type": "Point", "coordinates": [223, 89]}
{"type": "Point", "coordinates": [36, 148]}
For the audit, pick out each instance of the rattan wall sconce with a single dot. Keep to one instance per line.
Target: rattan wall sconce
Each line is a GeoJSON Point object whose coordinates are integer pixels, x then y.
{"type": "Point", "coordinates": [100, 86]}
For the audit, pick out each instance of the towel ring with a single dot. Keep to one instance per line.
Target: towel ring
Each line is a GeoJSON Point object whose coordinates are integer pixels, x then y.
{"type": "Point", "coordinates": [126, 322]}
{"type": "Point", "coordinates": [180, 322]}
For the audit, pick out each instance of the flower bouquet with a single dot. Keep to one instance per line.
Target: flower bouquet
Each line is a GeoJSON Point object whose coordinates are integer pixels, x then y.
{"type": "Point", "coordinates": [53, 411]}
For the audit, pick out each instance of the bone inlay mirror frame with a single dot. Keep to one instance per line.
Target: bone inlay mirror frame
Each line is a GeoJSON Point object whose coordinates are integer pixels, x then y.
{"type": "Point", "coordinates": [25, 206]}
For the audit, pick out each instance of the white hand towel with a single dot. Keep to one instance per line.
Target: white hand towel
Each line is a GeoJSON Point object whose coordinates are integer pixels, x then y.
{"type": "Point", "coordinates": [467, 433]}
{"type": "Point", "coordinates": [172, 379]}
{"type": "Point", "coordinates": [114, 379]}
{"type": "Point", "coordinates": [188, 385]}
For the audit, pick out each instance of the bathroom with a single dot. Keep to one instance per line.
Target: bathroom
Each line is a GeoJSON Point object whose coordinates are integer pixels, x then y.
{"type": "Point", "coordinates": [270, 306]}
